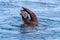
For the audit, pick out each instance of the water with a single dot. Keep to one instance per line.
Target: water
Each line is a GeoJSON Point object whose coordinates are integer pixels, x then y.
{"type": "Point", "coordinates": [47, 12]}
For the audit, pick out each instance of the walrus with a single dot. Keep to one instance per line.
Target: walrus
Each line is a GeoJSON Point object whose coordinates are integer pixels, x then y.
{"type": "Point", "coordinates": [32, 21]}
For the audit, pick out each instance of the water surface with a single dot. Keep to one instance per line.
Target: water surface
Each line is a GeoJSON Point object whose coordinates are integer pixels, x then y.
{"type": "Point", "coordinates": [47, 12]}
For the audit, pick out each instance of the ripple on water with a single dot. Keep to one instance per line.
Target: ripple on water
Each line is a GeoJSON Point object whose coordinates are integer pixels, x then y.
{"type": "Point", "coordinates": [10, 22]}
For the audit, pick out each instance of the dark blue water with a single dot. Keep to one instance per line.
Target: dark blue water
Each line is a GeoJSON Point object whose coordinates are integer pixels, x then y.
{"type": "Point", "coordinates": [47, 12]}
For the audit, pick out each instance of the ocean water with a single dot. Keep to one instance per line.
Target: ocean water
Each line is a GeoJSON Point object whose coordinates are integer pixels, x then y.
{"type": "Point", "coordinates": [47, 12]}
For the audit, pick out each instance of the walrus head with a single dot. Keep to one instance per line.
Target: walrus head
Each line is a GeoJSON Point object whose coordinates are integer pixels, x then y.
{"type": "Point", "coordinates": [25, 17]}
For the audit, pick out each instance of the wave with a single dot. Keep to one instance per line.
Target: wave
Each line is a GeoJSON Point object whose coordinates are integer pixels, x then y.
{"type": "Point", "coordinates": [8, 5]}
